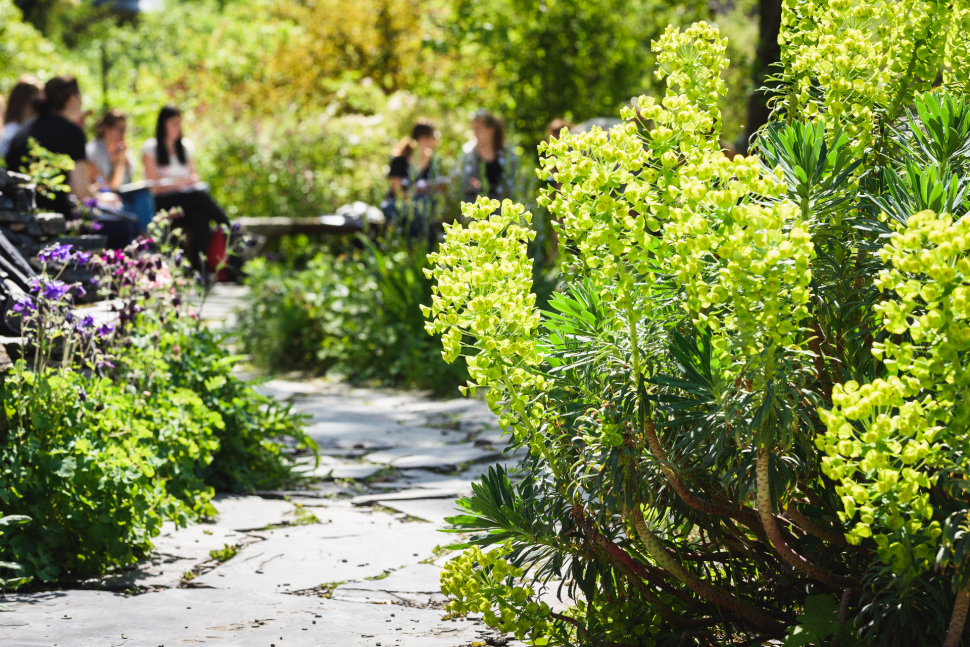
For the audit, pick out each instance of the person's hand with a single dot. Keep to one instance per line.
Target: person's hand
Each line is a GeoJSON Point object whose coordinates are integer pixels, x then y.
{"type": "Point", "coordinates": [120, 153]}
{"type": "Point", "coordinates": [475, 184]}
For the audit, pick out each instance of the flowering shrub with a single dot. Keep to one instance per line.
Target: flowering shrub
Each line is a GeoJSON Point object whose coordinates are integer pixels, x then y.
{"type": "Point", "coordinates": [745, 411]}
{"type": "Point", "coordinates": [112, 426]}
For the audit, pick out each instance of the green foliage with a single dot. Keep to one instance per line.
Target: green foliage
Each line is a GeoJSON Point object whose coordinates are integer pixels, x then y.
{"type": "Point", "coordinates": [16, 580]}
{"type": "Point", "coordinates": [356, 315]}
{"type": "Point", "coordinates": [250, 454]}
{"type": "Point", "coordinates": [97, 469]}
{"type": "Point", "coordinates": [816, 623]}
{"type": "Point", "coordinates": [752, 388]}
{"type": "Point", "coordinates": [575, 58]}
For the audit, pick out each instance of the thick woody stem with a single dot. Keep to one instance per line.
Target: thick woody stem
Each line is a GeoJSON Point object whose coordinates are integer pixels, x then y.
{"type": "Point", "coordinates": [777, 538]}
{"type": "Point", "coordinates": [740, 515]}
{"type": "Point", "coordinates": [958, 618]}
{"type": "Point", "coordinates": [825, 381]}
{"type": "Point", "coordinates": [809, 526]}
{"type": "Point", "coordinates": [656, 577]}
{"type": "Point", "coordinates": [715, 594]}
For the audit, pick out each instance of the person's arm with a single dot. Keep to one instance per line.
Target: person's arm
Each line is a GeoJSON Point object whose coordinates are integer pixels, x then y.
{"type": "Point", "coordinates": [397, 186]}
{"type": "Point", "coordinates": [80, 181]}
{"type": "Point", "coordinates": [151, 173]}
{"type": "Point", "coordinates": [193, 172]}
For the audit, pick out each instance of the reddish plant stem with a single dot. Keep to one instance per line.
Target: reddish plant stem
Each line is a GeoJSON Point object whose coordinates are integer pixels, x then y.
{"type": "Point", "coordinates": [742, 515]}
{"type": "Point", "coordinates": [958, 618]}
{"type": "Point", "coordinates": [708, 591]}
{"type": "Point", "coordinates": [777, 539]}
{"type": "Point", "coordinates": [655, 576]}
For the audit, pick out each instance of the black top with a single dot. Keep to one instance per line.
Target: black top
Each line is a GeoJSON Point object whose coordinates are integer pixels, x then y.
{"type": "Point", "coordinates": [56, 134]}
{"type": "Point", "coordinates": [401, 168]}
{"type": "Point", "coordinates": [493, 173]}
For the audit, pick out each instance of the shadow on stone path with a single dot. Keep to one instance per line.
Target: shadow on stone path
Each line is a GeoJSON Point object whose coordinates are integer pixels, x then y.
{"type": "Point", "coordinates": [352, 561]}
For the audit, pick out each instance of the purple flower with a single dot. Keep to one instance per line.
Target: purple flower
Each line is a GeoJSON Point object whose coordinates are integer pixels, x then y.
{"type": "Point", "coordinates": [80, 289]}
{"type": "Point", "coordinates": [90, 203]}
{"type": "Point", "coordinates": [23, 303]}
{"type": "Point", "coordinates": [83, 395]}
{"type": "Point", "coordinates": [95, 283]}
{"type": "Point", "coordinates": [236, 227]}
{"type": "Point", "coordinates": [82, 258]}
{"type": "Point", "coordinates": [106, 329]}
{"type": "Point", "coordinates": [178, 257]}
{"type": "Point", "coordinates": [95, 226]}
{"type": "Point", "coordinates": [56, 252]}
{"type": "Point", "coordinates": [56, 290]}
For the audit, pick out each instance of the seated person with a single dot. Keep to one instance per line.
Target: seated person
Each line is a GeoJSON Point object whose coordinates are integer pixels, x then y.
{"type": "Point", "coordinates": [19, 110]}
{"type": "Point", "coordinates": [55, 128]}
{"type": "Point", "coordinates": [112, 167]}
{"type": "Point", "coordinates": [170, 170]}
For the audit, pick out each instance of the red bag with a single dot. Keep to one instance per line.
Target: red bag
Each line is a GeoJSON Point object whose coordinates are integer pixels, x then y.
{"type": "Point", "coordinates": [216, 254]}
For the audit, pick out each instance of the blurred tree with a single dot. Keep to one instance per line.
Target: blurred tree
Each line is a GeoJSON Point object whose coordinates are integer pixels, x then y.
{"type": "Point", "coordinates": [768, 55]}
{"type": "Point", "coordinates": [555, 58]}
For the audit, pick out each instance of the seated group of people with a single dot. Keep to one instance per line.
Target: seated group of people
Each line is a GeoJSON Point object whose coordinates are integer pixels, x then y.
{"type": "Point", "coordinates": [53, 116]}
{"type": "Point", "coordinates": [488, 168]}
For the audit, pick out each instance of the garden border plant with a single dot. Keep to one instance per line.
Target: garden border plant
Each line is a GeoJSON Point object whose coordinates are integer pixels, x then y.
{"type": "Point", "coordinates": [112, 427]}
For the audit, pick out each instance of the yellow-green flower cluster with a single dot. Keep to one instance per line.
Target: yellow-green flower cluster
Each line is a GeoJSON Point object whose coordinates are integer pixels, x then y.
{"type": "Point", "coordinates": [744, 265]}
{"type": "Point", "coordinates": [865, 59]}
{"type": "Point", "coordinates": [483, 290]}
{"type": "Point", "coordinates": [485, 582]}
{"type": "Point", "coordinates": [956, 64]}
{"type": "Point", "coordinates": [886, 441]}
{"type": "Point", "coordinates": [614, 186]}
{"type": "Point", "coordinates": [693, 61]}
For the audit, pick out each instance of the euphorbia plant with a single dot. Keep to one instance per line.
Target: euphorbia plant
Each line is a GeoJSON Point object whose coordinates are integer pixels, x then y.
{"type": "Point", "coordinates": [746, 412]}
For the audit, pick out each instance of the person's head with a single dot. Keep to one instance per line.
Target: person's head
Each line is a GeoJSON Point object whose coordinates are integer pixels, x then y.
{"type": "Point", "coordinates": [168, 135]}
{"type": "Point", "coordinates": [112, 127]}
{"type": "Point", "coordinates": [423, 135]}
{"type": "Point", "coordinates": [489, 128]}
{"type": "Point", "coordinates": [61, 96]}
{"type": "Point", "coordinates": [555, 127]}
{"type": "Point", "coordinates": [20, 104]}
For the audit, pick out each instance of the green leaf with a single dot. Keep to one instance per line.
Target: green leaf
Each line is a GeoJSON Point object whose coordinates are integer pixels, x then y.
{"type": "Point", "coordinates": [817, 622]}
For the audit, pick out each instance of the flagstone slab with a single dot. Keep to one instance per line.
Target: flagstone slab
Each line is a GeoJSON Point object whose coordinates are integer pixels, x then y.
{"type": "Point", "coordinates": [221, 617]}
{"type": "Point", "coordinates": [245, 513]}
{"type": "Point", "coordinates": [306, 557]}
{"type": "Point", "coordinates": [432, 510]}
{"type": "Point", "coordinates": [177, 550]}
{"type": "Point", "coordinates": [418, 584]}
{"type": "Point", "coordinates": [440, 457]}
{"type": "Point", "coordinates": [406, 495]}
{"type": "Point", "coordinates": [378, 434]}
{"type": "Point", "coordinates": [331, 467]}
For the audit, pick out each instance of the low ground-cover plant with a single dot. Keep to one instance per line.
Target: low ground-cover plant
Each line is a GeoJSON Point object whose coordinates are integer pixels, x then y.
{"type": "Point", "coordinates": [746, 411]}
{"type": "Point", "coordinates": [111, 427]}
{"type": "Point", "coordinates": [356, 314]}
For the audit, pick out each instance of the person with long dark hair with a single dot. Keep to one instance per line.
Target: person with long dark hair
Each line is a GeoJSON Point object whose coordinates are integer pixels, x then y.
{"type": "Point", "coordinates": [413, 177]}
{"type": "Point", "coordinates": [169, 160]}
{"type": "Point", "coordinates": [488, 167]}
{"type": "Point", "coordinates": [19, 110]}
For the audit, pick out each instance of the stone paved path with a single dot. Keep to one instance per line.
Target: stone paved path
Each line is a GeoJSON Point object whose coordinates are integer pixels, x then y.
{"type": "Point", "coordinates": [353, 561]}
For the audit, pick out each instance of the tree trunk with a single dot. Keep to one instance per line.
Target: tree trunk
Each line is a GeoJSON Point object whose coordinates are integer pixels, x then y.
{"type": "Point", "coordinates": [958, 619]}
{"type": "Point", "coordinates": [768, 53]}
